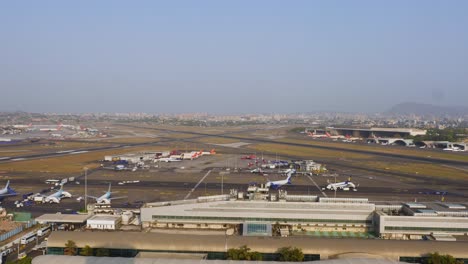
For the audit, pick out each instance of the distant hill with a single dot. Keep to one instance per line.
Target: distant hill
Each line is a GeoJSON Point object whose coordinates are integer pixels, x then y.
{"type": "Point", "coordinates": [427, 110]}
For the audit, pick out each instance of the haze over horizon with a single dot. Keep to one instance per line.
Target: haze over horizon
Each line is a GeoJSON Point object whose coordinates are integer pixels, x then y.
{"type": "Point", "coordinates": [231, 57]}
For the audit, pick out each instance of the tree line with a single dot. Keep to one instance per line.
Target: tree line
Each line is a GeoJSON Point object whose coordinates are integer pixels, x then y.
{"type": "Point", "coordinates": [291, 254]}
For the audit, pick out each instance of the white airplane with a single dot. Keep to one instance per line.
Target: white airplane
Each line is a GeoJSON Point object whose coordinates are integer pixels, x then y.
{"type": "Point", "coordinates": [56, 197]}
{"type": "Point", "coordinates": [315, 135]}
{"type": "Point", "coordinates": [106, 198]}
{"type": "Point", "coordinates": [211, 152]}
{"type": "Point", "coordinates": [277, 184]}
{"type": "Point", "coordinates": [170, 159]}
{"type": "Point", "coordinates": [345, 186]}
{"type": "Point", "coordinates": [452, 149]}
{"type": "Point", "coordinates": [7, 191]}
{"type": "Point", "coordinates": [351, 139]}
{"type": "Point", "coordinates": [257, 170]}
{"type": "Point", "coordinates": [333, 137]}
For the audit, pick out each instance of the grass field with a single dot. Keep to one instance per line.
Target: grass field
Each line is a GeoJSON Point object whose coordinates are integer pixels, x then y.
{"type": "Point", "coordinates": [365, 161]}
{"type": "Point", "coordinates": [372, 148]}
{"type": "Point", "coordinates": [380, 149]}
{"type": "Point", "coordinates": [69, 163]}
{"type": "Point", "coordinates": [305, 152]}
{"type": "Point", "coordinates": [217, 140]}
{"type": "Point", "coordinates": [13, 151]}
{"type": "Point", "coordinates": [129, 139]}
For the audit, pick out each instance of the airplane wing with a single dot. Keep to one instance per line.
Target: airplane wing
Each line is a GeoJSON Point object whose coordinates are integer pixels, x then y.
{"type": "Point", "coordinates": [115, 198]}
{"type": "Point", "coordinates": [8, 194]}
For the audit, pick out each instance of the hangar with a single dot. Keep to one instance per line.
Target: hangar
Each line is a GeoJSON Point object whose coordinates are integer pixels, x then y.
{"type": "Point", "coordinates": [378, 132]}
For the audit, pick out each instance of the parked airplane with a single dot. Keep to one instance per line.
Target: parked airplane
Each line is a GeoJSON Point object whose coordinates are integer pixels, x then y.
{"type": "Point", "coordinates": [334, 137]}
{"type": "Point", "coordinates": [257, 170]}
{"type": "Point", "coordinates": [277, 184]}
{"type": "Point", "coordinates": [345, 186]}
{"type": "Point", "coordinates": [56, 197]}
{"type": "Point", "coordinates": [7, 191]}
{"type": "Point", "coordinates": [47, 128]}
{"type": "Point", "coordinates": [452, 148]}
{"type": "Point", "coordinates": [315, 135]}
{"type": "Point", "coordinates": [106, 198]}
{"type": "Point", "coordinates": [170, 159]}
{"type": "Point", "coordinates": [120, 167]}
{"type": "Point", "coordinates": [351, 139]}
{"type": "Point", "coordinates": [211, 152]}
{"type": "Point", "coordinates": [249, 157]}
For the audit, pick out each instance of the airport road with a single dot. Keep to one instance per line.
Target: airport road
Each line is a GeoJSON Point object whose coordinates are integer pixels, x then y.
{"type": "Point", "coordinates": [198, 183]}
{"type": "Point", "coordinates": [316, 185]}
{"type": "Point", "coordinates": [25, 248]}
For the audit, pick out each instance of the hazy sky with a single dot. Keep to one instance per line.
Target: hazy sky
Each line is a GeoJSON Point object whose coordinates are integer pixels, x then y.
{"type": "Point", "coordinates": [231, 56]}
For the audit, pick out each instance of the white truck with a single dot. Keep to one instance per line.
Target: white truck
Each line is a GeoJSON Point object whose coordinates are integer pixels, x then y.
{"type": "Point", "coordinates": [39, 199]}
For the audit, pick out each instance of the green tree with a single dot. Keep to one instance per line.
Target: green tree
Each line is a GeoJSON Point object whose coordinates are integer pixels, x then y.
{"type": "Point", "coordinates": [436, 258]}
{"type": "Point", "coordinates": [26, 260]}
{"type": "Point", "coordinates": [86, 251]}
{"type": "Point", "coordinates": [102, 252]}
{"type": "Point", "coordinates": [243, 253]}
{"type": "Point", "coordinates": [70, 248]}
{"type": "Point", "coordinates": [290, 254]}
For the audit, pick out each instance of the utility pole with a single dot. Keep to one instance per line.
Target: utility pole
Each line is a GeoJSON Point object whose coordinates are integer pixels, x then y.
{"type": "Point", "coordinates": [335, 186]}
{"type": "Point", "coordinates": [86, 188]}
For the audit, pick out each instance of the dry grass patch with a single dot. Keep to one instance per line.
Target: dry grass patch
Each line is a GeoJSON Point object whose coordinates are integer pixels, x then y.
{"type": "Point", "coordinates": [380, 149]}
{"type": "Point", "coordinates": [70, 163]}
{"type": "Point", "coordinates": [307, 153]}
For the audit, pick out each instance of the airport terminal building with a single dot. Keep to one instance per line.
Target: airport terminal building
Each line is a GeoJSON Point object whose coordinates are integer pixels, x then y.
{"type": "Point", "coordinates": [232, 216]}
{"type": "Point", "coordinates": [337, 217]}
{"type": "Point", "coordinates": [209, 226]}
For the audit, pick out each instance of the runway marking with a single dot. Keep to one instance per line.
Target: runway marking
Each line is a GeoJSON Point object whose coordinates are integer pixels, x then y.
{"type": "Point", "coordinates": [199, 182]}
{"type": "Point", "coordinates": [318, 187]}
{"type": "Point", "coordinates": [18, 159]}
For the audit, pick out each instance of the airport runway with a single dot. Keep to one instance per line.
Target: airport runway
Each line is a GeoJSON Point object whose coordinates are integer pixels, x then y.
{"type": "Point", "coordinates": [199, 135]}
{"type": "Point", "coordinates": [257, 140]}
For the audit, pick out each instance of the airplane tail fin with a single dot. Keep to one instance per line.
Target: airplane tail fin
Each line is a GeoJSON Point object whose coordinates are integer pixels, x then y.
{"type": "Point", "coordinates": [328, 134]}
{"type": "Point", "coordinates": [290, 174]}
{"type": "Point", "coordinates": [109, 190]}
{"type": "Point", "coordinates": [7, 184]}
{"type": "Point", "coordinates": [212, 151]}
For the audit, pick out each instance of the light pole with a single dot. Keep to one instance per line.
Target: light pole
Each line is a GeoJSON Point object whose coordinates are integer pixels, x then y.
{"type": "Point", "coordinates": [86, 188]}
{"type": "Point", "coordinates": [335, 186]}
{"type": "Point", "coordinates": [222, 184]}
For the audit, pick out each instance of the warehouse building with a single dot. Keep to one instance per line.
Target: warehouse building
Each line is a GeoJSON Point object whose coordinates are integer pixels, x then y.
{"type": "Point", "coordinates": [104, 222]}
{"type": "Point", "coordinates": [63, 221]}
